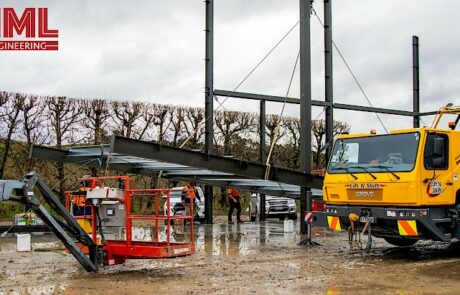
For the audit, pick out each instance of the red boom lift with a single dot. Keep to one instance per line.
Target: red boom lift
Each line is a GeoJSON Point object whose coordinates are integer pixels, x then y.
{"type": "Point", "coordinates": [104, 224]}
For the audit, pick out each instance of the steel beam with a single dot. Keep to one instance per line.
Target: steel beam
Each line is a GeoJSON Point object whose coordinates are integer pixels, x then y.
{"type": "Point", "coordinates": [433, 113]}
{"type": "Point", "coordinates": [303, 206]}
{"type": "Point", "coordinates": [305, 87]}
{"type": "Point", "coordinates": [262, 154]}
{"type": "Point", "coordinates": [328, 81]}
{"type": "Point", "coordinates": [91, 160]}
{"type": "Point", "coordinates": [262, 119]}
{"type": "Point", "coordinates": [209, 99]}
{"type": "Point", "coordinates": [305, 101]}
{"type": "Point", "coordinates": [255, 96]}
{"type": "Point", "coordinates": [316, 103]}
{"type": "Point", "coordinates": [415, 81]}
{"type": "Point", "coordinates": [208, 204]}
{"type": "Point", "coordinates": [155, 151]}
{"type": "Point", "coordinates": [63, 156]}
{"type": "Point", "coordinates": [209, 77]}
{"type": "Point", "coordinates": [372, 110]}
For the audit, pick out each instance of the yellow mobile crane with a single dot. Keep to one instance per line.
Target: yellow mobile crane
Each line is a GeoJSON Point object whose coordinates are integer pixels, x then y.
{"type": "Point", "coordinates": [403, 186]}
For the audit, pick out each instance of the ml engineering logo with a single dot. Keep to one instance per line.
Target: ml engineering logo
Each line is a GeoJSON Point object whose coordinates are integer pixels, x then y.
{"type": "Point", "coordinates": [28, 31]}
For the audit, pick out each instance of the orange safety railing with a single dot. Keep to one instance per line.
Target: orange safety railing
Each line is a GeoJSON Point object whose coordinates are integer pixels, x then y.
{"type": "Point", "coordinates": [119, 250]}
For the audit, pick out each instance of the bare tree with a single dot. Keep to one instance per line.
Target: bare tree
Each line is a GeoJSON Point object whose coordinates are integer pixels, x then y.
{"type": "Point", "coordinates": [33, 123]}
{"type": "Point", "coordinates": [11, 119]}
{"type": "Point", "coordinates": [230, 124]}
{"type": "Point", "coordinates": [65, 116]}
{"type": "Point", "coordinates": [148, 120]}
{"type": "Point", "coordinates": [292, 126]}
{"type": "Point", "coordinates": [319, 135]}
{"type": "Point", "coordinates": [127, 115]}
{"type": "Point", "coordinates": [161, 116]}
{"type": "Point", "coordinates": [96, 113]}
{"type": "Point", "coordinates": [275, 131]}
{"type": "Point", "coordinates": [177, 115]}
{"type": "Point", "coordinates": [273, 123]}
{"type": "Point", "coordinates": [194, 125]}
{"type": "Point", "coordinates": [4, 99]}
{"type": "Point", "coordinates": [293, 130]}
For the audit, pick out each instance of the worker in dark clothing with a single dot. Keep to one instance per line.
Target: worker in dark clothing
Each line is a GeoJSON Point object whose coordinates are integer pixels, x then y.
{"type": "Point", "coordinates": [234, 200]}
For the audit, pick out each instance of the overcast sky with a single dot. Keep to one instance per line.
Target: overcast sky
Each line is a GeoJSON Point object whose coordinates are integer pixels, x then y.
{"type": "Point", "coordinates": [154, 51]}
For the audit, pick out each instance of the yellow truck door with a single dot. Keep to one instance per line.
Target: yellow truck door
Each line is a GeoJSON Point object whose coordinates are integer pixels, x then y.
{"type": "Point", "coordinates": [436, 174]}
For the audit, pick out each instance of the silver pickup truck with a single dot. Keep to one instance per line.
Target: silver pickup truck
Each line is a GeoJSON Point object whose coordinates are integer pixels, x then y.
{"type": "Point", "coordinates": [277, 207]}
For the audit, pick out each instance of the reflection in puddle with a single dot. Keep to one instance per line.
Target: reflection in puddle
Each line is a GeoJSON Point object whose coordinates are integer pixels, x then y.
{"type": "Point", "coordinates": [239, 239]}
{"type": "Point", "coordinates": [212, 239]}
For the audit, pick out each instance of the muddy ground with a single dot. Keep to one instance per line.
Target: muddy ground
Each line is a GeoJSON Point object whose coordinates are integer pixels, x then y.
{"type": "Point", "coordinates": [251, 258]}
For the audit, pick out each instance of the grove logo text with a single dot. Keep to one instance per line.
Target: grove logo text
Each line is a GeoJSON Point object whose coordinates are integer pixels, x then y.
{"type": "Point", "coordinates": [28, 31]}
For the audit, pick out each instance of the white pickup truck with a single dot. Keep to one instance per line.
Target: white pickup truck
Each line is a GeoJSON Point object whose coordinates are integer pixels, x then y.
{"type": "Point", "coordinates": [177, 208]}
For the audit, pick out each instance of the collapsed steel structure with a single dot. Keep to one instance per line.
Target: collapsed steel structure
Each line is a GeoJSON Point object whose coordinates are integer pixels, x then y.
{"type": "Point", "coordinates": [204, 167]}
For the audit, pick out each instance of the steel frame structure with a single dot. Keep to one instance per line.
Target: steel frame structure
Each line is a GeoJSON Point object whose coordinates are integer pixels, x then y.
{"type": "Point", "coordinates": [305, 100]}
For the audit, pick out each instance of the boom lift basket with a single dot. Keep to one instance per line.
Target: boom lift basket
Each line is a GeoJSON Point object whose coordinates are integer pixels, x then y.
{"type": "Point", "coordinates": [130, 223]}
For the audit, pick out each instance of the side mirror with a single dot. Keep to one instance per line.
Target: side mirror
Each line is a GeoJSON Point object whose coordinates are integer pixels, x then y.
{"type": "Point", "coordinates": [439, 157]}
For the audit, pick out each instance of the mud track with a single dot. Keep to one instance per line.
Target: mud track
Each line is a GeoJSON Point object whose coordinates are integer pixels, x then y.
{"type": "Point", "coordinates": [243, 259]}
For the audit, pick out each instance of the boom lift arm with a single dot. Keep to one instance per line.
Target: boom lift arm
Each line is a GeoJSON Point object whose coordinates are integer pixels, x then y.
{"type": "Point", "coordinates": [63, 225]}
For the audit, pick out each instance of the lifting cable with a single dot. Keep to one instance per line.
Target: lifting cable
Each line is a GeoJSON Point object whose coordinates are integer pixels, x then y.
{"type": "Point", "coordinates": [85, 162]}
{"type": "Point", "coordinates": [313, 11]}
{"type": "Point", "coordinates": [278, 123]}
{"type": "Point", "coordinates": [220, 104]}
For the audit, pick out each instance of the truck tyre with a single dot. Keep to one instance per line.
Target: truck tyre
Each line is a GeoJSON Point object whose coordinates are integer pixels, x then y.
{"type": "Point", "coordinates": [293, 216]}
{"type": "Point", "coordinates": [400, 242]}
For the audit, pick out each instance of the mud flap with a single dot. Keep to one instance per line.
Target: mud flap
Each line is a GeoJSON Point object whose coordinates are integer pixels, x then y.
{"type": "Point", "coordinates": [407, 228]}
{"type": "Point", "coordinates": [334, 223]}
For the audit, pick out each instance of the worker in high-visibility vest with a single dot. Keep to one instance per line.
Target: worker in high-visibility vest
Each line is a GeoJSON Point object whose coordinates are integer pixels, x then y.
{"type": "Point", "coordinates": [79, 199]}
{"type": "Point", "coordinates": [235, 202]}
{"type": "Point", "coordinates": [79, 208]}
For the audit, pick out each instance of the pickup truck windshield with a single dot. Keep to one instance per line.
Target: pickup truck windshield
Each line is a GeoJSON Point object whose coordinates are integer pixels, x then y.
{"type": "Point", "coordinates": [381, 153]}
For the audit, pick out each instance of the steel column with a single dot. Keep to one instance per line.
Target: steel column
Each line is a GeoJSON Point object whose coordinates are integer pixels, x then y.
{"type": "Point", "coordinates": [415, 82]}
{"type": "Point", "coordinates": [262, 155]}
{"type": "Point", "coordinates": [328, 87]}
{"type": "Point", "coordinates": [209, 98]}
{"type": "Point", "coordinates": [305, 99]}
{"type": "Point", "coordinates": [262, 119]}
{"type": "Point", "coordinates": [208, 204]}
{"type": "Point", "coordinates": [209, 77]}
{"type": "Point", "coordinates": [305, 87]}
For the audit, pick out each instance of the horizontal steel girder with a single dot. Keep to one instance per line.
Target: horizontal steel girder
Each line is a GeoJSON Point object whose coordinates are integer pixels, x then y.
{"type": "Point", "coordinates": [318, 103]}
{"type": "Point", "coordinates": [141, 151]}
{"type": "Point", "coordinates": [155, 151]}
